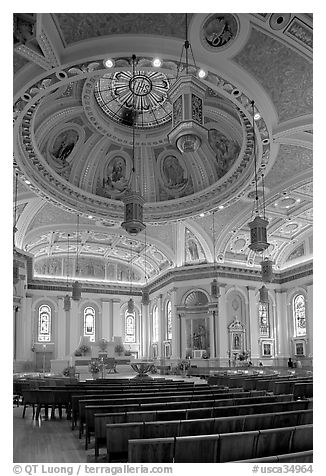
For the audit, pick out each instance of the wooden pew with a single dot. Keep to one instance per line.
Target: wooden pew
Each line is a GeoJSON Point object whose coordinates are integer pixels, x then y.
{"type": "Point", "coordinates": [118, 434]}
{"type": "Point", "coordinates": [299, 457]}
{"type": "Point", "coordinates": [217, 448]}
{"type": "Point", "coordinates": [87, 411]}
{"type": "Point", "coordinates": [101, 419]}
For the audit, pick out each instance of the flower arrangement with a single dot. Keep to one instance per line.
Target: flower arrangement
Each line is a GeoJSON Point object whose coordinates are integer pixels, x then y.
{"type": "Point", "coordinates": [94, 367]}
{"type": "Point", "coordinates": [183, 365]}
{"type": "Point", "coordinates": [69, 371]}
{"type": "Point", "coordinates": [82, 350]}
{"type": "Point", "coordinates": [119, 349]}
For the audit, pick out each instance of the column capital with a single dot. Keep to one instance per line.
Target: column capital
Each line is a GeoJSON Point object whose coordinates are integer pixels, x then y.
{"type": "Point", "coordinates": [251, 288]}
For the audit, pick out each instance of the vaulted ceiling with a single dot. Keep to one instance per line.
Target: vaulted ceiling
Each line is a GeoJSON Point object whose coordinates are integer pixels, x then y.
{"type": "Point", "coordinates": [73, 141]}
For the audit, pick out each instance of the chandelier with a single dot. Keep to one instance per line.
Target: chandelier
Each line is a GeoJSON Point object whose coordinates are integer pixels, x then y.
{"type": "Point", "coordinates": [187, 96]}
{"type": "Point", "coordinates": [76, 287]}
{"type": "Point", "coordinates": [258, 227]}
{"type": "Point", "coordinates": [133, 201]}
{"type": "Point", "coordinates": [66, 299]}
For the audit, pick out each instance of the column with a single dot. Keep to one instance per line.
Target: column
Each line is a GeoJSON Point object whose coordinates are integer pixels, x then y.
{"type": "Point", "coordinates": [67, 339]}
{"type": "Point", "coordinates": [175, 347]}
{"type": "Point", "coordinates": [253, 320]}
{"type": "Point", "coordinates": [61, 330]}
{"type": "Point", "coordinates": [213, 313]}
{"type": "Point", "coordinates": [283, 344]}
{"type": "Point", "coordinates": [309, 320]}
{"type": "Point", "coordinates": [182, 336]}
{"type": "Point", "coordinates": [160, 326]}
{"type": "Point", "coordinates": [222, 328]}
{"type": "Point", "coordinates": [117, 321]}
{"type": "Point", "coordinates": [75, 327]}
{"type": "Point", "coordinates": [24, 320]}
{"type": "Point", "coordinates": [106, 320]}
{"type": "Point", "coordinates": [145, 332]}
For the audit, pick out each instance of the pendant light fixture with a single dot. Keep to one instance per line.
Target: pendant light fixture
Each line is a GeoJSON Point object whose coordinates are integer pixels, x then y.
{"type": "Point", "coordinates": [133, 201]}
{"type": "Point", "coordinates": [76, 287]}
{"type": "Point", "coordinates": [66, 299]}
{"type": "Point", "coordinates": [215, 291]}
{"type": "Point", "coordinates": [263, 294]}
{"type": "Point", "coordinates": [258, 227]}
{"type": "Point", "coordinates": [145, 293]}
{"type": "Point", "coordinates": [187, 96]}
{"type": "Point", "coordinates": [131, 304]}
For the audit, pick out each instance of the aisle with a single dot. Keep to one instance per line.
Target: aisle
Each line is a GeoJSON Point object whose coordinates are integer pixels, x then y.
{"type": "Point", "coordinates": [50, 441]}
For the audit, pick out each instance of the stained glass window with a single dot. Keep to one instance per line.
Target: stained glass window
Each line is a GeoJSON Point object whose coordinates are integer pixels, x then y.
{"type": "Point", "coordinates": [169, 320]}
{"type": "Point", "coordinates": [44, 324]}
{"type": "Point", "coordinates": [263, 313]}
{"type": "Point", "coordinates": [89, 323]}
{"type": "Point", "coordinates": [155, 324]}
{"type": "Point", "coordinates": [299, 311]}
{"type": "Point", "coordinates": [130, 327]}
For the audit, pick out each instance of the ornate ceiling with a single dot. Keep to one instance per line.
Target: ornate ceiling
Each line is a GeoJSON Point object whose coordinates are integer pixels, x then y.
{"type": "Point", "coordinates": [73, 141]}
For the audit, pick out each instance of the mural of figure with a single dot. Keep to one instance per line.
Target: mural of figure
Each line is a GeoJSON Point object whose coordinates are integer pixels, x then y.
{"type": "Point", "coordinates": [226, 151]}
{"type": "Point", "coordinates": [64, 145]}
{"type": "Point", "coordinates": [173, 172]}
{"type": "Point", "coordinates": [116, 176]}
{"type": "Point", "coordinates": [193, 250]}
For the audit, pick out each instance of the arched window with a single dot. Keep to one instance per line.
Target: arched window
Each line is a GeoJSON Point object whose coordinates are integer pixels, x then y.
{"type": "Point", "coordinates": [89, 323]}
{"type": "Point", "coordinates": [130, 327]}
{"type": "Point", "coordinates": [299, 314]}
{"type": "Point", "coordinates": [44, 324]}
{"type": "Point", "coordinates": [263, 316]}
{"type": "Point", "coordinates": [155, 324]}
{"type": "Point", "coordinates": [169, 320]}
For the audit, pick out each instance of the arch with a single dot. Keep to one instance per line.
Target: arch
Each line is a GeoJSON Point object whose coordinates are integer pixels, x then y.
{"type": "Point", "coordinates": [196, 297]}
{"type": "Point", "coordinates": [52, 305]}
{"type": "Point", "coordinates": [299, 304]}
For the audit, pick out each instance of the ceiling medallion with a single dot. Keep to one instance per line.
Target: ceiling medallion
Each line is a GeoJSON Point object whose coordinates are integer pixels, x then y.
{"type": "Point", "coordinates": [219, 30]}
{"type": "Point", "coordinates": [114, 93]}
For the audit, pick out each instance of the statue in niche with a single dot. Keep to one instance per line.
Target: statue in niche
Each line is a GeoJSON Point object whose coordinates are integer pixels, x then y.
{"type": "Point", "coordinates": [226, 151]}
{"type": "Point", "coordinates": [173, 172]}
{"type": "Point", "coordinates": [199, 338]}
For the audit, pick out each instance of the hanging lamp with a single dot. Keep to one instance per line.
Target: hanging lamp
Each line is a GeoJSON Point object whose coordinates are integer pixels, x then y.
{"type": "Point", "coordinates": [133, 201]}
{"type": "Point", "coordinates": [258, 227]}
{"type": "Point", "coordinates": [215, 290]}
{"type": "Point", "coordinates": [76, 287]}
{"type": "Point", "coordinates": [145, 292]}
{"type": "Point", "coordinates": [263, 294]}
{"type": "Point", "coordinates": [66, 299]}
{"type": "Point", "coordinates": [187, 96]}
